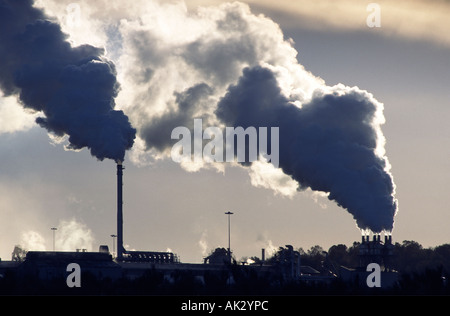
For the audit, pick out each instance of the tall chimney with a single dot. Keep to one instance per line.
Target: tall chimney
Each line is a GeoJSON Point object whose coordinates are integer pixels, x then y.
{"type": "Point", "coordinates": [120, 249]}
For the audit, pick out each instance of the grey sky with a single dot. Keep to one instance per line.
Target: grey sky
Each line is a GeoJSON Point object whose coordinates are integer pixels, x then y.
{"type": "Point", "coordinates": [41, 184]}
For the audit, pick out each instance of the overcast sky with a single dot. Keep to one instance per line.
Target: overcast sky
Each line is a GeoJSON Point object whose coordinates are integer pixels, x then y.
{"type": "Point", "coordinates": [162, 48]}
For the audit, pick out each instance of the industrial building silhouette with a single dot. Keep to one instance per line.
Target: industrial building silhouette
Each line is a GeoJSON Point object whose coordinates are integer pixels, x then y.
{"type": "Point", "coordinates": [51, 266]}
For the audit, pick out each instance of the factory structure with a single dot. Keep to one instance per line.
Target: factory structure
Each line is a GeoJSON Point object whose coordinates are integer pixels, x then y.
{"type": "Point", "coordinates": [373, 251]}
{"type": "Point", "coordinates": [50, 265]}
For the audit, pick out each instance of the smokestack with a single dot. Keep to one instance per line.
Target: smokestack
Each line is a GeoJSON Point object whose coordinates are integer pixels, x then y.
{"type": "Point", "coordinates": [263, 255]}
{"type": "Point", "coordinates": [120, 249]}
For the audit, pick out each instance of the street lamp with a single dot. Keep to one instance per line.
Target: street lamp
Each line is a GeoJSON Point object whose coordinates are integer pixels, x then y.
{"type": "Point", "coordinates": [53, 229]}
{"type": "Point", "coordinates": [229, 247]}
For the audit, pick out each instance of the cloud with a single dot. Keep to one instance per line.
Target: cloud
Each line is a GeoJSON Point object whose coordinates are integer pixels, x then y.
{"type": "Point", "coordinates": [13, 118]}
{"type": "Point", "coordinates": [69, 236]}
{"type": "Point", "coordinates": [267, 244]}
{"type": "Point", "coordinates": [72, 87]}
{"type": "Point", "coordinates": [411, 19]}
{"type": "Point", "coordinates": [72, 235]}
{"type": "Point", "coordinates": [328, 144]}
{"type": "Point", "coordinates": [32, 241]}
{"type": "Point", "coordinates": [203, 243]}
{"type": "Point", "coordinates": [157, 132]}
{"type": "Point", "coordinates": [232, 68]}
{"type": "Point", "coordinates": [171, 73]}
{"type": "Point", "coordinates": [263, 174]}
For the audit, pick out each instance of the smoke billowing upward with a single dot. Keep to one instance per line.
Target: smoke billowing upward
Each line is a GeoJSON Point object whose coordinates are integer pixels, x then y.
{"type": "Point", "coordinates": [74, 87]}
{"type": "Point", "coordinates": [223, 64]}
{"type": "Point", "coordinates": [328, 144]}
{"type": "Point", "coordinates": [243, 72]}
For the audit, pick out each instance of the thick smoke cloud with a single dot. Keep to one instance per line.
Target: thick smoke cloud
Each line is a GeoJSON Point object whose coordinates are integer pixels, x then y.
{"type": "Point", "coordinates": [187, 104]}
{"type": "Point", "coordinates": [235, 68]}
{"type": "Point", "coordinates": [329, 144]}
{"type": "Point", "coordinates": [223, 64]}
{"type": "Point", "coordinates": [74, 87]}
{"type": "Point", "coordinates": [171, 57]}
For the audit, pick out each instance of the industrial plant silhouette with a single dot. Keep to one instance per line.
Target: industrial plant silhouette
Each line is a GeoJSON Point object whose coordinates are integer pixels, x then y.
{"type": "Point", "coordinates": [341, 270]}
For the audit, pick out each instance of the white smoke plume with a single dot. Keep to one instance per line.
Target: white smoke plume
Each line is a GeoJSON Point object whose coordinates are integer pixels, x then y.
{"type": "Point", "coordinates": [32, 241]}
{"type": "Point", "coordinates": [265, 175]}
{"type": "Point", "coordinates": [203, 243]}
{"type": "Point", "coordinates": [69, 235]}
{"type": "Point", "coordinates": [266, 244]}
{"type": "Point", "coordinates": [12, 116]}
{"type": "Point", "coordinates": [231, 67]}
{"type": "Point", "coordinates": [72, 235]}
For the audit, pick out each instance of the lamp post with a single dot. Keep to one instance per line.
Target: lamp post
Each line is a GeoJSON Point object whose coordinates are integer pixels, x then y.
{"type": "Point", "coordinates": [53, 229]}
{"type": "Point", "coordinates": [229, 247]}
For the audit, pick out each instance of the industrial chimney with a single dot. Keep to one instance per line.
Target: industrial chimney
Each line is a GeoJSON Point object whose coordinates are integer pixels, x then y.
{"type": "Point", "coordinates": [120, 249]}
